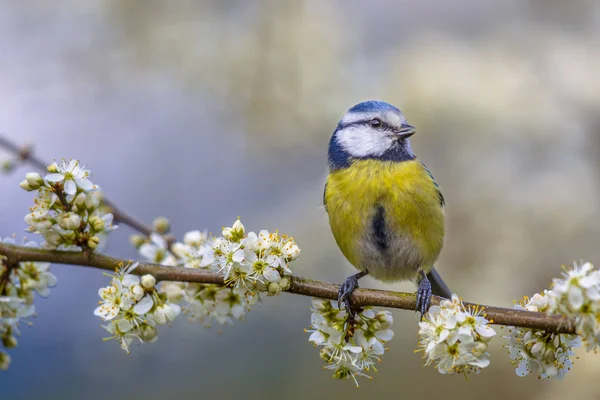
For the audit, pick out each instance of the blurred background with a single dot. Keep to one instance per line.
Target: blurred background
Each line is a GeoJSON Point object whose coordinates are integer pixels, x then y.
{"type": "Point", "coordinates": [205, 110]}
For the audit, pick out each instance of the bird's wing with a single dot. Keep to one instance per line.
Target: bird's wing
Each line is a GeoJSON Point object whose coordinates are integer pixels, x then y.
{"type": "Point", "coordinates": [441, 196]}
{"type": "Point", "coordinates": [324, 199]}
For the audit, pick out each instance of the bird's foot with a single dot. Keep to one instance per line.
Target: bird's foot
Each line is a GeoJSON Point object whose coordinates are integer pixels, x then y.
{"type": "Point", "coordinates": [346, 290]}
{"type": "Point", "coordinates": [423, 294]}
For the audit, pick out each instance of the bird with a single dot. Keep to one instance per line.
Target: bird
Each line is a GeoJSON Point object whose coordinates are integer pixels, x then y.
{"type": "Point", "coordinates": [385, 208]}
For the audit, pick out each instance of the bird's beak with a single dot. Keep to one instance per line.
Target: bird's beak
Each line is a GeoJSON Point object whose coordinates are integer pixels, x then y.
{"type": "Point", "coordinates": [405, 131]}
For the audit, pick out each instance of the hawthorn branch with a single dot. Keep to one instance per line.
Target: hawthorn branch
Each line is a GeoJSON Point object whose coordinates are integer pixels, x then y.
{"type": "Point", "coordinates": [25, 154]}
{"type": "Point", "coordinates": [301, 286]}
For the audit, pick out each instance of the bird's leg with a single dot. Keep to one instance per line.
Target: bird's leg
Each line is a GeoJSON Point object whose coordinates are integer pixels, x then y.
{"type": "Point", "coordinates": [423, 294]}
{"type": "Point", "coordinates": [346, 290]}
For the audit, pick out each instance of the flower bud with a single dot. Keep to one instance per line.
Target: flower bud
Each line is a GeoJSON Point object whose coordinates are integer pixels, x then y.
{"type": "Point", "coordinates": [273, 289]}
{"type": "Point", "coordinates": [227, 233]}
{"type": "Point", "coordinates": [148, 333]}
{"type": "Point", "coordinates": [9, 341]}
{"type": "Point", "coordinates": [137, 240]}
{"type": "Point", "coordinates": [161, 225]}
{"type": "Point", "coordinates": [285, 283]}
{"type": "Point", "coordinates": [69, 220]}
{"type": "Point", "coordinates": [93, 242]}
{"type": "Point", "coordinates": [4, 360]}
{"type": "Point", "coordinates": [79, 200]}
{"type": "Point", "coordinates": [7, 166]}
{"type": "Point", "coordinates": [92, 201]}
{"type": "Point", "coordinates": [238, 228]}
{"type": "Point", "coordinates": [34, 179]}
{"type": "Point", "coordinates": [52, 168]}
{"type": "Point", "coordinates": [160, 316]}
{"type": "Point", "coordinates": [148, 281]}
{"type": "Point", "coordinates": [537, 349]}
{"type": "Point", "coordinates": [96, 223]}
{"type": "Point", "coordinates": [25, 185]}
{"type": "Point", "coordinates": [137, 291]}
{"type": "Point", "coordinates": [53, 238]}
{"type": "Point", "coordinates": [68, 235]}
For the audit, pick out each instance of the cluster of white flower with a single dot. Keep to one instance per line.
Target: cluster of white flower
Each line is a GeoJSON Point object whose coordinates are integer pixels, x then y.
{"type": "Point", "coordinates": [205, 302]}
{"type": "Point", "coordinates": [350, 349]}
{"type": "Point", "coordinates": [254, 263]}
{"type": "Point", "coordinates": [13, 311]}
{"type": "Point", "coordinates": [132, 307]}
{"type": "Point", "coordinates": [540, 352]}
{"type": "Point", "coordinates": [251, 264]}
{"type": "Point", "coordinates": [17, 286]}
{"type": "Point", "coordinates": [200, 302]}
{"type": "Point", "coordinates": [455, 337]}
{"type": "Point", "coordinates": [156, 250]}
{"type": "Point", "coordinates": [67, 210]}
{"type": "Point", "coordinates": [577, 296]}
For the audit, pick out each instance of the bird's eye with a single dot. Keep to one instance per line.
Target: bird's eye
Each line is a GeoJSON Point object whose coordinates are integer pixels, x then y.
{"type": "Point", "coordinates": [376, 123]}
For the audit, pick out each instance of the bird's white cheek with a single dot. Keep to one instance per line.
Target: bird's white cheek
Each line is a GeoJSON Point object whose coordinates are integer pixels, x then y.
{"type": "Point", "coordinates": [359, 143]}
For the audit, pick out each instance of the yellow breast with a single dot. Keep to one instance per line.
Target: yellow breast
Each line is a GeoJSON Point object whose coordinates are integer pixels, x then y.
{"type": "Point", "coordinates": [407, 196]}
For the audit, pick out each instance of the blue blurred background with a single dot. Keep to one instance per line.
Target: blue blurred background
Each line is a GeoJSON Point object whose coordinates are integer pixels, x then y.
{"type": "Point", "coordinates": [205, 110]}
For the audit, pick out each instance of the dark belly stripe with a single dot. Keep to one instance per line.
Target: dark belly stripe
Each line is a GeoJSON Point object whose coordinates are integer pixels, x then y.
{"type": "Point", "coordinates": [379, 233]}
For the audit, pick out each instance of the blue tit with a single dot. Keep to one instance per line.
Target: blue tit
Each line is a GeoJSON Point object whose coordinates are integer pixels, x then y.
{"type": "Point", "coordinates": [385, 209]}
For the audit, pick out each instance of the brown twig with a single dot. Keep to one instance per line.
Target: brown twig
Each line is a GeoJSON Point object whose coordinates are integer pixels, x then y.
{"type": "Point", "coordinates": [300, 286]}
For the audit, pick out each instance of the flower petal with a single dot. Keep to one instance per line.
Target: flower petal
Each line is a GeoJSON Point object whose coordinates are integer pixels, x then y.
{"type": "Point", "coordinates": [85, 184]}
{"type": "Point", "coordinates": [144, 305]}
{"type": "Point", "coordinates": [54, 177]}
{"type": "Point", "coordinates": [70, 187]}
{"type": "Point", "coordinates": [385, 335]}
{"type": "Point", "coordinates": [271, 274]}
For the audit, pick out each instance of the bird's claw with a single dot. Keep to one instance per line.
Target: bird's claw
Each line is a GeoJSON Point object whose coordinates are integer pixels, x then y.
{"type": "Point", "coordinates": [345, 292]}
{"type": "Point", "coordinates": [423, 295]}
{"type": "Point", "coordinates": [346, 289]}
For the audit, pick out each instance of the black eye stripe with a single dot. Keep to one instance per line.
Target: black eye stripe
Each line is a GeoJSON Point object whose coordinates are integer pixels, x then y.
{"type": "Point", "coordinates": [367, 122]}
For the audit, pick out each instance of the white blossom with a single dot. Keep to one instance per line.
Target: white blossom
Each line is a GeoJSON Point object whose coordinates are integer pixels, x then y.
{"type": "Point", "coordinates": [34, 180]}
{"type": "Point", "coordinates": [36, 276]}
{"type": "Point", "coordinates": [71, 174]}
{"type": "Point", "coordinates": [196, 251]}
{"type": "Point", "coordinates": [254, 263]}
{"type": "Point", "coordinates": [166, 312]}
{"type": "Point", "coordinates": [455, 337]}
{"type": "Point", "coordinates": [546, 354]}
{"type": "Point", "coordinates": [157, 251]}
{"type": "Point", "coordinates": [577, 295]}
{"type": "Point", "coordinates": [241, 258]}
{"type": "Point", "coordinates": [349, 355]}
{"type": "Point", "coordinates": [131, 307]}
{"type": "Point", "coordinates": [205, 303]}
{"type": "Point", "coordinates": [74, 221]}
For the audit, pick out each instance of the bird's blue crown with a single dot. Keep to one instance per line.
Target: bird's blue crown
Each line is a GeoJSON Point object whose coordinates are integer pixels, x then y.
{"type": "Point", "coordinates": [373, 106]}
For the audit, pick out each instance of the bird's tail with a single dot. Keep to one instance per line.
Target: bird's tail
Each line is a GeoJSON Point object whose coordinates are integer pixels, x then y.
{"type": "Point", "coordinates": [438, 287]}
